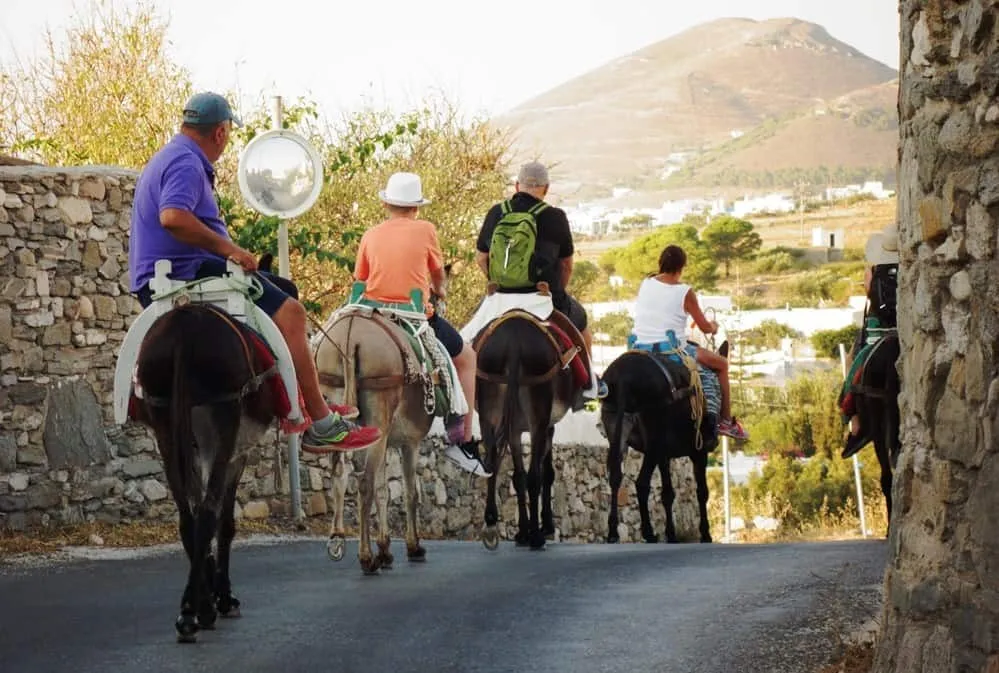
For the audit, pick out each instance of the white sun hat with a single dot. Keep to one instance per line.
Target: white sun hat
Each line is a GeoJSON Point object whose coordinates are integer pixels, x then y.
{"type": "Point", "coordinates": [404, 190]}
{"type": "Point", "coordinates": [882, 248]}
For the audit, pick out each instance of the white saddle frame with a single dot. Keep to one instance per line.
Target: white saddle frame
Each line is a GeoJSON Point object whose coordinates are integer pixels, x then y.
{"type": "Point", "coordinates": [221, 292]}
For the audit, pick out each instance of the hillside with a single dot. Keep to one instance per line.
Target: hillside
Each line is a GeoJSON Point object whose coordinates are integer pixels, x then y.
{"type": "Point", "coordinates": [691, 93]}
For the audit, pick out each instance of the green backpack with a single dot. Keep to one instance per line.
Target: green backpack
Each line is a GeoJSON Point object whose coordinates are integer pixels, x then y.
{"type": "Point", "coordinates": [511, 249]}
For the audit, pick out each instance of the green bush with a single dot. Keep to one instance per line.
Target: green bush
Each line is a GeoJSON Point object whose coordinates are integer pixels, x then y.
{"type": "Point", "coordinates": [826, 342]}
{"type": "Point", "coordinates": [779, 260]}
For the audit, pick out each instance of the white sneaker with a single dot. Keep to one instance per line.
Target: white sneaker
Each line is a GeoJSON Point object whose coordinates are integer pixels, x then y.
{"type": "Point", "coordinates": [466, 457]}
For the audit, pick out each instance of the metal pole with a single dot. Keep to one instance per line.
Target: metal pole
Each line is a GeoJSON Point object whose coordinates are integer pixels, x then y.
{"type": "Point", "coordinates": [284, 269]}
{"type": "Point", "coordinates": [856, 462]}
{"type": "Point", "coordinates": [725, 479]}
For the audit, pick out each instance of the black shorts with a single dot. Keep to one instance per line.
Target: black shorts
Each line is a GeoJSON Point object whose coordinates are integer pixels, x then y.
{"type": "Point", "coordinates": [447, 335]}
{"type": "Point", "coordinates": [573, 310]}
{"type": "Point", "coordinates": [269, 302]}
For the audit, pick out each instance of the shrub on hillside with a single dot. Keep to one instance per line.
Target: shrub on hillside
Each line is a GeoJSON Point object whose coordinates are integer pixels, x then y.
{"type": "Point", "coordinates": [826, 342]}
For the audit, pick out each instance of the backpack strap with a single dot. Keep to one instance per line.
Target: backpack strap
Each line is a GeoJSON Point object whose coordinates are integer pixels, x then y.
{"type": "Point", "coordinates": [506, 207]}
{"type": "Point", "coordinates": [537, 208]}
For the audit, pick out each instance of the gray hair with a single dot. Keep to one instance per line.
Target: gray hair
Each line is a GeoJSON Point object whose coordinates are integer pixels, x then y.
{"type": "Point", "coordinates": [533, 174]}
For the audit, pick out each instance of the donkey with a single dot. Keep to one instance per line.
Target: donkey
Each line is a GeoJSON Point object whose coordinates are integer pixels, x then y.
{"type": "Point", "coordinates": [524, 384]}
{"type": "Point", "coordinates": [366, 360]}
{"type": "Point", "coordinates": [201, 379]}
{"type": "Point", "coordinates": [876, 403]}
{"type": "Point", "coordinates": [648, 407]}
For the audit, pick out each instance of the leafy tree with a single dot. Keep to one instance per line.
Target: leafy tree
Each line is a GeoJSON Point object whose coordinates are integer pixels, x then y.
{"type": "Point", "coordinates": [585, 276]}
{"type": "Point", "coordinates": [105, 94]}
{"type": "Point", "coordinates": [731, 239]}
{"type": "Point", "coordinates": [826, 342]}
{"type": "Point", "coordinates": [636, 221]}
{"type": "Point", "coordinates": [617, 326]}
{"type": "Point", "coordinates": [768, 334]}
{"type": "Point", "coordinates": [641, 257]}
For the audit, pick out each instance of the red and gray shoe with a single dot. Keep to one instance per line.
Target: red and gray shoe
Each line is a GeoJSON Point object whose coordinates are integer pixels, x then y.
{"type": "Point", "coordinates": [343, 437]}
{"type": "Point", "coordinates": [733, 429]}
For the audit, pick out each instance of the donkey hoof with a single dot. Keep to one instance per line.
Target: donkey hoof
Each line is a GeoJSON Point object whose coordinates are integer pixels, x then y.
{"type": "Point", "coordinates": [651, 538]}
{"type": "Point", "coordinates": [522, 539]}
{"type": "Point", "coordinates": [538, 541]}
{"type": "Point", "coordinates": [187, 629]}
{"type": "Point", "coordinates": [416, 554]}
{"type": "Point", "coordinates": [613, 539]}
{"type": "Point", "coordinates": [385, 560]}
{"type": "Point", "coordinates": [490, 537]}
{"type": "Point", "coordinates": [335, 547]}
{"type": "Point", "coordinates": [228, 607]}
{"type": "Point", "coordinates": [706, 539]}
{"type": "Point", "coordinates": [370, 565]}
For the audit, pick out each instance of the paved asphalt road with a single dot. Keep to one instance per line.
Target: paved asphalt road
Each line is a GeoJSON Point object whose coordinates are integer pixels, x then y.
{"type": "Point", "coordinates": [572, 608]}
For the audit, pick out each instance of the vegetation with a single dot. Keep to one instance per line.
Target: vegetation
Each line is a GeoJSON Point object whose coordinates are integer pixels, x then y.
{"type": "Point", "coordinates": [826, 342]}
{"type": "Point", "coordinates": [641, 257]}
{"type": "Point", "coordinates": [616, 326]}
{"type": "Point", "coordinates": [731, 240]}
{"type": "Point", "coordinates": [57, 111]}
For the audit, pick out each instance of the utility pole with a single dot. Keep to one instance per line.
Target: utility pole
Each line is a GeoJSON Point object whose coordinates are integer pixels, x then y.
{"type": "Point", "coordinates": [799, 187]}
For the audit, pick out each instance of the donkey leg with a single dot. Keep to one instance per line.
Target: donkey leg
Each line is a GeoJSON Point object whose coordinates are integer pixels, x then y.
{"type": "Point", "coordinates": [411, 482]}
{"type": "Point", "coordinates": [225, 601]}
{"type": "Point", "coordinates": [883, 453]}
{"type": "Point", "coordinates": [520, 486]}
{"type": "Point", "coordinates": [668, 497]}
{"type": "Point", "coordinates": [615, 476]}
{"type": "Point", "coordinates": [539, 444]}
{"type": "Point", "coordinates": [643, 488]}
{"type": "Point", "coordinates": [490, 533]}
{"type": "Point", "coordinates": [383, 541]}
{"type": "Point", "coordinates": [366, 495]}
{"type": "Point", "coordinates": [700, 460]}
{"type": "Point", "coordinates": [338, 489]}
{"type": "Point", "coordinates": [548, 480]}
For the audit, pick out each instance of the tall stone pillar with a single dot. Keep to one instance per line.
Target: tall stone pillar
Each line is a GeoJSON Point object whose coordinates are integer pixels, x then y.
{"type": "Point", "coordinates": [941, 609]}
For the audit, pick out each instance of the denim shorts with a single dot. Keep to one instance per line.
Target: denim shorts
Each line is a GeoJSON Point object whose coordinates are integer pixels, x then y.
{"type": "Point", "coordinates": [447, 335]}
{"type": "Point", "coordinates": [269, 302]}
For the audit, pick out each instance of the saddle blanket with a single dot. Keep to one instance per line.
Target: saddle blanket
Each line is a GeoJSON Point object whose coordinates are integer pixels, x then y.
{"type": "Point", "coordinates": [709, 379]}
{"type": "Point", "coordinates": [537, 304]}
{"type": "Point", "coordinates": [266, 359]}
{"type": "Point", "coordinates": [498, 303]}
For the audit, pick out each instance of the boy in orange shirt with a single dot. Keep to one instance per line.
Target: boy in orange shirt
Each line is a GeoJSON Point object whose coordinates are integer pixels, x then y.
{"type": "Point", "coordinates": [400, 254]}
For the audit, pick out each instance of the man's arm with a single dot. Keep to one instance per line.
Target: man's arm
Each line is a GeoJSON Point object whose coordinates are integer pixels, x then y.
{"type": "Point", "coordinates": [485, 237]}
{"type": "Point", "coordinates": [187, 228]}
{"type": "Point", "coordinates": [182, 186]}
{"type": "Point", "coordinates": [565, 270]}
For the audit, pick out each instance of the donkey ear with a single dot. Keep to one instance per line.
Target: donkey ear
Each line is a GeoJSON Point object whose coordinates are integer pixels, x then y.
{"type": "Point", "coordinates": [447, 268]}
{"type": "Point", "coordinates": [266, 262]}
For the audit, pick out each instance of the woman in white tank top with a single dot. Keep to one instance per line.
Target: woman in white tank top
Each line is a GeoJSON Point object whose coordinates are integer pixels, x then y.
{"type": "Point", "coordinates": [664, 304]}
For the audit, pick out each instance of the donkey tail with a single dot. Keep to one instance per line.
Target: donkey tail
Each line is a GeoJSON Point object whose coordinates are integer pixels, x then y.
{"type": "Point", "coordinates": [506, 422]}
{"type": "Point", "coordinates": [180, 413]}
{"type": "Point", "coordinates": [617, 438]}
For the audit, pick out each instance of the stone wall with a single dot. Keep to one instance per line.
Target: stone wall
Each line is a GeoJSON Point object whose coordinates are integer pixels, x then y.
{"type": "Point", "coordinates": [941, 610]}
{"type": "Point", "coordinates": [64, 309]}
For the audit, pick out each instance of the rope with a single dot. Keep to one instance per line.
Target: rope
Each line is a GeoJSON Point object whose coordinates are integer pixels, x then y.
{"type": "Point", "coordinates": [697, 400]}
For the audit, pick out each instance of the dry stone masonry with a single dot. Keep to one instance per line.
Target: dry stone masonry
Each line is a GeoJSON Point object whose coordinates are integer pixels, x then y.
{"type": "Point", "coordinates": [64, 309]}
{"type": "Point", "coordinates": [942, 585]}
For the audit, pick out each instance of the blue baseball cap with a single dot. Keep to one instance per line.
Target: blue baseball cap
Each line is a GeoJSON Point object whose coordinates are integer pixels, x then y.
{"type": "Point", "coordinates": [209, 108]}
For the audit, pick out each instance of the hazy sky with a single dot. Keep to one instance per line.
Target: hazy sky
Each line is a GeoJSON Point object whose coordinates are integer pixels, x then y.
{"type": "Point", "coordinates": [343, 53]}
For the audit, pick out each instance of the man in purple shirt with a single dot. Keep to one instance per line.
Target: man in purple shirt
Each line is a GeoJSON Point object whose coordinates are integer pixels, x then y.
{"type": "Point", "coordinates": [175, 216]}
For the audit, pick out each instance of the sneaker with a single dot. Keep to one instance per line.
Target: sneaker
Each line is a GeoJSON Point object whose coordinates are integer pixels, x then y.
{"type": "Point", "coordinates": [733, 429]}
{"type": "Point", "coordinates": [345, 410]}
{"type": "Point", "coordinates": [854, 443]}
{"type": "Point", "coordinates": [344, 436]}
{"type": "Point", "coordinates": [466, 456]}
{"type": "Point", "coordinates": [601, 389]}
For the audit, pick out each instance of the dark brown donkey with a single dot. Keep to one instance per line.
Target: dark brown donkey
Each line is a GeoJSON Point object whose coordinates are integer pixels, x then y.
{"type": "Point", "coordinates": [526, 382]}
{"type": "Point", "coordinates": [202, 376]}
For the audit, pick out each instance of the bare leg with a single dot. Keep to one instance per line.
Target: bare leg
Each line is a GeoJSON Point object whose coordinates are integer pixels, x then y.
{"type": "Point", "coordinates": [588, 340]}
{"type": "Point", "coordinates": [465, 362]}
{"type": "Point", "coordinates": [290, 320]}
{"type": "Point", "coordinates": [720, 366]}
